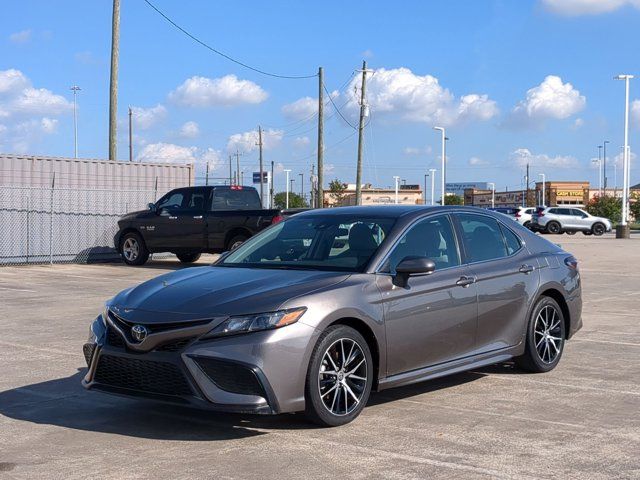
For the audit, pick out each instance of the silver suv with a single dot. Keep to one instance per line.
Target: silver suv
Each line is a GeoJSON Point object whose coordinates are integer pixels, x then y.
{"type": "Point", "coordinates": [569, 220]}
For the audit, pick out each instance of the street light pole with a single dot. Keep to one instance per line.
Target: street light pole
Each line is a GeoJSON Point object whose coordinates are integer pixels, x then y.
{"type": "Point", "coordinates": [600, 169]}
{"type": "Point", "coordinates": [544, 189]}
{"type": "Point", "coordinates": [286, 204]}
{"type": "Point", "coordinates": [424, 192]}
{"type": "Point", "coordinates": [396, 178]}
{"type": "Point", "coordinates": [604, 165]}
{"type": "Point", "coordinates": [624, 232]}
{"type": "Point", "coordinates": [75, 90]}
{"type": "Point", "coordinates": [432, 171]}
{"type": "Point", "coordinates": [302, 185]}
{"type": "Point", "coordinates": [493, 194]}
{"type": "Point", "coordinates": [444, 162]}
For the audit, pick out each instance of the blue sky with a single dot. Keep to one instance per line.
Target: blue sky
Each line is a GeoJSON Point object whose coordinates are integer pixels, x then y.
{"type": "Point", "coordinates": [513, 81]}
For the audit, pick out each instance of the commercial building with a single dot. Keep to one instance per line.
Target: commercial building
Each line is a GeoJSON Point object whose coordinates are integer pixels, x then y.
{"type": "Point", "coordinates": [459, 188]}
{"type": "Point", "coordinates": [407, 195]}
{"type": "Point", "coordinates": [555, 193]}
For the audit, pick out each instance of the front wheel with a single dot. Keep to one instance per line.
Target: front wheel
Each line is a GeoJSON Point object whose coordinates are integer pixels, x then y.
{"type": "Point", "coordinates": [570, 232]}
{"type": "Point", "coordinates": [133, 249]}
{"type": "Point", "coordinates": [587, 233]}
{"type": "Point", "coordinates": [339, 378]}
{"type": "Point", "coordinates": [598, 229]}
{"type": "Point", "coordinates": [188, 257]}
{"type": "Point", "coordinates": [545, 337]}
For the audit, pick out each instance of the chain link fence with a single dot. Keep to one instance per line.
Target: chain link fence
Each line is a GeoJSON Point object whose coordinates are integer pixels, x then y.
{"type": "Point", "coordinates": [63, 225]}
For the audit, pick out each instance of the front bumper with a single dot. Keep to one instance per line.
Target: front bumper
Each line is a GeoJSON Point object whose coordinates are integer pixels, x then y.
{"type": "Point", "coordinates": [259, 372]}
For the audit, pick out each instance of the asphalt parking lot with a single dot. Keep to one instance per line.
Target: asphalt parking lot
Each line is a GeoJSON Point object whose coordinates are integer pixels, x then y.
{"type": "Point", "coordinates": [580, 421]}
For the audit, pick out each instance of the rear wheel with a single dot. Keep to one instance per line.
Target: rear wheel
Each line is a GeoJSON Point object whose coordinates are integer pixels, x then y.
{"type": "Point", "coordinates": [545, 337]}
{"type": "Point", "coordinates": [598, 229]}
{"type": "Point", "coordinates": [339, 378]}
{"type": "Point", "coordinates": [527, 224]}
{"type": "Point", "coordinates": [133, 249]}
{"type": "Point", "coordinates": [188, 257]}
{"type": "Point", "coordinates": [570, 232]}
{"type": "Point", "coordinates": [235, 241]}
{"type": "Point", "coordinates": [554, 228]}
{"type": "Point", "coordinates": [587, 233]}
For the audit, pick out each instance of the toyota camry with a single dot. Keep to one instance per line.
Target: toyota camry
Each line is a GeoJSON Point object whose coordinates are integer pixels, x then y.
{"type": "Point", "coordinates": [315, 312]}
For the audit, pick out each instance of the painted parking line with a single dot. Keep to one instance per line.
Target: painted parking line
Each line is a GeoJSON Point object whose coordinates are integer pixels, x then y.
{"type": "Point", "coordinates": [38, 349]}
{"type": "Point", "coordinates": [15, 289]}
{"type": "Point", "coordinates": [630, 344]}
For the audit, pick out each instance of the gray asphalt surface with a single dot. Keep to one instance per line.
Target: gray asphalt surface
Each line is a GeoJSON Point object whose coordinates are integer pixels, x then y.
{"type": "Point", "coordinates": [580, 421]}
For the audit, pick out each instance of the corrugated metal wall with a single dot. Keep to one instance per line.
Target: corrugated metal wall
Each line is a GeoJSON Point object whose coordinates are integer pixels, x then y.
{"type": "Point", "coordinates": [38, 171]}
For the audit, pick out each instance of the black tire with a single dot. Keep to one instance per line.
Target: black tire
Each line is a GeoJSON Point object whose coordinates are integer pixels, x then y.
{"type": "Point", "coordinates": [235, 241]}
{"type": "Point", "coordinates": [587, 232]}
{"type": "Point", "coordinates": [188, 257]}
{"type": "Point", "coordinates": [133, 249]}
{"type": "Point", "coordinates": [554, 228]}
{"type": "Point", "coordinates": [527, 224]}
{"type": "Point", "coordinates": [332, 341]}
{"type": "Point", "coordinates": [543, 351]}
{"type": "Point", "coordinates": [598, 229]}
{"type": "Point", "coordinates": [570, 232]}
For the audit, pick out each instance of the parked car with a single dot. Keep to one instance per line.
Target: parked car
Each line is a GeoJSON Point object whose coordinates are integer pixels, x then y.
{"type": "Point", "coordinates": [316, 311]}
{"type": "Point", "coordinates": [193, 220]}
{"type": "Point", "coordinates": [569, 220]}
{"type": "Point", "coordinates": [523, 215]}
{"type": "Point", "coordinates": [509, 211]}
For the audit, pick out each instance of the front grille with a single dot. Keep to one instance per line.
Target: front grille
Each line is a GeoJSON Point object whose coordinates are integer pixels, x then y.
{"type": "Point", "coordinates": [114, 339]}
{"type": "Point", "coordinates": [176, 346]}
{"type": "Point", "coordinates": [87, 350]}
{"type": "Point", "coordinates": [146, 376]}
{"type": "Point", "coordinates": [232, 377]}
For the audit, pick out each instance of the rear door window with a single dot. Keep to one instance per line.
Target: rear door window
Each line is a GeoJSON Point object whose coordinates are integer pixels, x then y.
{"type": "Point", "coordinates": [511, 240]}
{"type": "Point", "coordinates": [232, 199]}
{"type": "Point", "coordinates": [482, 237]}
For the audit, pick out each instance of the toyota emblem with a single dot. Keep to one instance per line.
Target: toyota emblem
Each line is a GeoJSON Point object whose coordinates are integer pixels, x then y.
{"type": "Point", "coordinates": [139, 332]}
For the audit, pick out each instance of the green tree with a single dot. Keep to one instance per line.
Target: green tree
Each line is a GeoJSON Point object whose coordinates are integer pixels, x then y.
{"type": "Point", "coordinates": [605, 206]}
{"type": "Point", "coordinates": [634, 206]}
{"type": "Point", "coordinates": [453, 200]}
{"type": "Point", "coordinates": [336, 190]}
{"type": "Point", "coordinates": [295, 200]}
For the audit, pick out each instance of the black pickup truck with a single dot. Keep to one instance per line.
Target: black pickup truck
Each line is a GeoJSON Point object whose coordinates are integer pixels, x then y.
{"type": "Point", "coordinates": [193, 220]}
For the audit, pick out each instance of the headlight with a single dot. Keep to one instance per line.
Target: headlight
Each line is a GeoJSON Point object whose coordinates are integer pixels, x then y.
{"type": "Point", "coordinates": [259, 321]}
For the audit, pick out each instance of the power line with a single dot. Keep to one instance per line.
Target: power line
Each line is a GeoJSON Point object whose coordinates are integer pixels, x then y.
{"type": "Point", "coordinates": [336, 107]}
{"type": "Point", "coordinates": [218, 52]}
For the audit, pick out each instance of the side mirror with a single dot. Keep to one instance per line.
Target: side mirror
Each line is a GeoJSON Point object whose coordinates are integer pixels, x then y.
{"type": "Point", "coordinates": [412, 266]}
{"type": "Point", "coordinates": [152, 207]}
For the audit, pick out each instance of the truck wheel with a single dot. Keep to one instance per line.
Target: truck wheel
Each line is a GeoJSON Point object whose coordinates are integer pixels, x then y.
{"type": "Point", "coordinates": [598, 229]}
{"type": "Point", "coordinates": [236, 241]}
{"type": "Point", "coordinates": [570, 232]}
{"type": "Point", "coordinates": [527, 224]}
{"type": "Point", "coordinates": [554, 228]}
{"type": "Point", "coordinates": [585, 232]}
{"type": "Point", "coordinates": [133, 249]}
{"type": "Point", "coordinates": [188, 257]}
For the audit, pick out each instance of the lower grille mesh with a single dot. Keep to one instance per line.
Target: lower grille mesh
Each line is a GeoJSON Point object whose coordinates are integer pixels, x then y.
{"type": "Point", "coordinates": [231, 377]}
{"type": "Point", "coordinates": [147, 376]}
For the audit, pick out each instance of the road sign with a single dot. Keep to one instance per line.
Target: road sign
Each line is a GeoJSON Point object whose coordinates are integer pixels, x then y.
{"type": "Point", "coordinates": [256, 177]}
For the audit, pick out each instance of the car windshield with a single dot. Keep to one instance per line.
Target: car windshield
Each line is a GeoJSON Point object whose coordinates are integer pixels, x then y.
{"type": "Point", "coordinates": [318, 242]}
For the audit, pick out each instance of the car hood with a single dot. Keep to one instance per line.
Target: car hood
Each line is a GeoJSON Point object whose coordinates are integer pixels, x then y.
{"type": "Point", "coordinates": [132, 215]}
{"type": "Point", "coordinates": [203, 292]}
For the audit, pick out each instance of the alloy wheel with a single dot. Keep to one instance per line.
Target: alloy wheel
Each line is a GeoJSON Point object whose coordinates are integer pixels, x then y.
{"type": "Point", "coordinates": [547, 334]}
{"type": "Point", "coordinates": [131, 249]}
{"type": "Point", "coordinates": [343, 377]}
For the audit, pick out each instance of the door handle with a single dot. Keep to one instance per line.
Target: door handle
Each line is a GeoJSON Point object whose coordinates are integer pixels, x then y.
{"type": "Point", "coordinates": [464, 281]}
{"type": "Point", "coordinates": [198, 217]}
{"type": "Point", "coordinates": [172, 218]}
{"type": "Point", "coordinates": [526, 269]}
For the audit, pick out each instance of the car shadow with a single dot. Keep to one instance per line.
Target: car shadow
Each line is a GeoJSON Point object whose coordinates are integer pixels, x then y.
{"type": "Point", "coordinates": [65, 403]}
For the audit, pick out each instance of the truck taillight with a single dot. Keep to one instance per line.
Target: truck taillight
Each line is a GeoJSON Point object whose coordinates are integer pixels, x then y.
{"type": "Point", "coordinates": [276, 219]}
{"type": "Point", "coordinates": [236, 187]}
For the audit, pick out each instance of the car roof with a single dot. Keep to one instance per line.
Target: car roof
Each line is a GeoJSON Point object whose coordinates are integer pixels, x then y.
{"type": "Point", "coordinates": [392, 211]}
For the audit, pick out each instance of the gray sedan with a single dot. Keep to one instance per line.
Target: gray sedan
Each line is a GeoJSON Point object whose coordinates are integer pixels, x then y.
{"type": "Point", "coordinates": [315, 312]}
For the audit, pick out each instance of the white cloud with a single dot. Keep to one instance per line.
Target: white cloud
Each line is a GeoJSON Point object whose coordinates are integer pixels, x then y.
{"type": "Point", "coordinates": [49, 125]}
{"type": "Point", "coordinates": [145, 118]}
{"type": "Point", "coordinates": [618, 161]}
{"type": "Point", "coordinates": [416, 150]}
{"type": "Point", "coordinates": [190, 130]}
{"type": "Point", "coordinates": [523, 156]}
{"type": "Point", "coordinates": [587, 7]}
{"type": "Point", "coordinates": [211, 92]}
{"type": "Point", "coordinates": [300, 142]}
{"type": "Point", "coordinates": [12, 81]}
{"type": "Point", "coordinates": [368, 53]}
{"type": "Point", "coordinates": [170, 153]}
{"type": "Point", "coordinates": [304, 107]}
{"type": "Point", "coordinates": [420, 98]}
{"type": "Point", "coordinates": [248, 141]}
{"type": "Point", "coordinates": [577, 123]}
{"type": "Point", "coordinates": [552, 99]}
{"type": "Point", "coordinates": [635, 113]}
{"type": "Point", "coordinates": [476, 161]}
{"type": "Point", "coordinates": [22, 36]}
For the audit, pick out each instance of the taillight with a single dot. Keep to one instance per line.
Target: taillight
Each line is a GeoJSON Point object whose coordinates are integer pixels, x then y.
{"type": "Point", "coordinates": [540, 214]}
{"type": "Point", "coordinates": [236, 187]}
{"type": "Point", "coordinates": [571, 262]}
{"type": "Point", "coordinates": [276, 219]}
{"type": "Point", "coordinates": [518, 215]}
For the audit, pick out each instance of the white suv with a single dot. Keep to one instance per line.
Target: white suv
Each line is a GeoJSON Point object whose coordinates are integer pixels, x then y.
{"type": "Point", "coordinates": [569, 220]}
{"type": "Point", "coordinates": [523, 216]}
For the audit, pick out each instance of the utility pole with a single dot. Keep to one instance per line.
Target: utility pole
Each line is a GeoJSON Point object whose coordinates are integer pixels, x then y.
{"type": "Point", "coordinates": [130, 135]}
{"type": "Point", "coordinates": [260, 149]}
{"type": "Point", "coordinates": [361, 134]}
{"type": "Point", "coordinates": [604, 165]}
{"type": "Point", "coordinates": [113, 84]}
{"type": "Point", "coordinates": [75, 90]}
{"type": "Point", "coordinates": [237, 176]}
{"type": "Point", "coordinates": [319, 188]}
{"type": "Point", "coordinates": [286, 204]}
{"type": "Point", "coordinates": [206, 178]}
{"type": "Point", "coordinates": [230, 170]}
{"type": "Point", "coordinates": [424, 191]}
{"type": "Point", "coordinates": [271, 187]}
{"type": "Point", "coordinates": [526, 200]}
{"type": "Point", "coordinates": [312, 195]}
{"type": "Point", "coordinates": [302, 185]}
